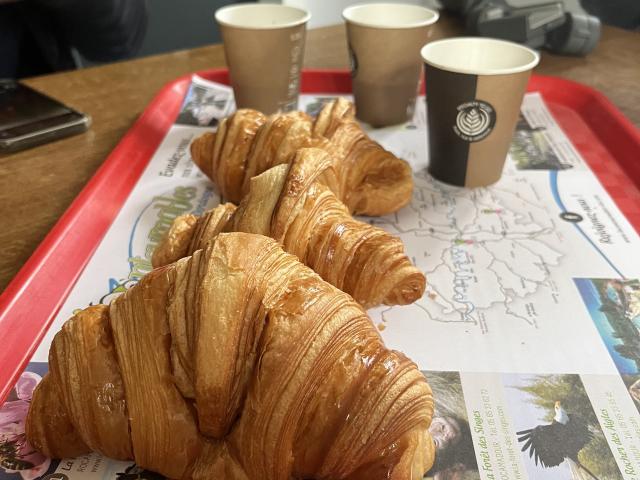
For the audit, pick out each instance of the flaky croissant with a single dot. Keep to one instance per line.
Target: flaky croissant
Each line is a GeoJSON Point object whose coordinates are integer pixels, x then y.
{"type": "Point", "coordinates": [294, 204]}
{"type": "Point", "coordinates": [371, 180]}
{"type": "Point", "coordinates": [238, 363]}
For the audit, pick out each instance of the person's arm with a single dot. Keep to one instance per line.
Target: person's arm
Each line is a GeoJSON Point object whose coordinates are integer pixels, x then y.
{"type": "Point", "coordinates": [101, 30]}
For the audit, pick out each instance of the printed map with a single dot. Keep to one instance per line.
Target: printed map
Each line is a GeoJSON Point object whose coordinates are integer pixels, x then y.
{"type": "Point", "coordinates": [466, 242]}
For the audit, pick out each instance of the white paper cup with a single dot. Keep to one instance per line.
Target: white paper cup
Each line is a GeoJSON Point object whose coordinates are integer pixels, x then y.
{"type": "Point", "coordinates": [384, 45]}
{"type": "Point", "coordinates": [264, 47]}
{"type": "Point", "coordinates": [474, 92]}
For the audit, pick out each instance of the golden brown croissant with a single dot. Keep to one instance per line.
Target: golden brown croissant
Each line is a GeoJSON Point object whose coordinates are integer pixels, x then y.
{"type": "Point", "coordinates": [293, 204]}
{"type": "Point", "coordinates": [371, 180]}
{"type": "Point", "coordinates": [239, 363]}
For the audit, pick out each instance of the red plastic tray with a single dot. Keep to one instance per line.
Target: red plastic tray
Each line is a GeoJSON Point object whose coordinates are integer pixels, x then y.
{"type": "Point", "coordinates": [607, 140]}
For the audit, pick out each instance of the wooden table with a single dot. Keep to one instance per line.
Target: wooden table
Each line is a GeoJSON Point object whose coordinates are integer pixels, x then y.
{"type": "Point", "coordinates": [36, 186]}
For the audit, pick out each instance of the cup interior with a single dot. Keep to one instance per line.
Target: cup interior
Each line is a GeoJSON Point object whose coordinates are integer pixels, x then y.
{"type": "Point", "coordinates": [390, 15]}
{"type": "Point", "coordinates": [479, 56]}
{"type": "Point", "coordinates": [261, 16]}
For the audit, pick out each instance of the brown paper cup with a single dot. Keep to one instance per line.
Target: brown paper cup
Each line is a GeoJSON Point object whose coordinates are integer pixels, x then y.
{"type": "Point", "coordinates": [264, 46]}
{"type": "Point", "coordinates": [384, 45]}
{"type": "Point", "coordinates": [474, 92]}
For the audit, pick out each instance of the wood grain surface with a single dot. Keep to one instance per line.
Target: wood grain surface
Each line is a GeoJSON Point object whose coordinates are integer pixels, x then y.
{"type": "Point", "coordinates": [37, 185]}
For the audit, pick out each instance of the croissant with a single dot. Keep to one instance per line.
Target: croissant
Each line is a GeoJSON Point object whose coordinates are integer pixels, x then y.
{"type": "Point", "coordinates": [237, 362]}
{"type": "Point", "coordinates": [372, 181]}
{"type": "Point", "coordinates": [295, 205]}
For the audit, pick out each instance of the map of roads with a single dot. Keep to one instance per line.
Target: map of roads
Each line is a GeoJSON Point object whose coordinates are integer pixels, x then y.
{"type": "Point", "coordinates": [482, 249]}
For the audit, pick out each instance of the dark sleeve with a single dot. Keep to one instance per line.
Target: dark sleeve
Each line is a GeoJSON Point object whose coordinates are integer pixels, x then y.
{"type": "Point", "coordinates": [10, 33]}
{"type": "Point", "coordinates": [101, 30]}
{"type": "Point", "coordinates": [621, 13]}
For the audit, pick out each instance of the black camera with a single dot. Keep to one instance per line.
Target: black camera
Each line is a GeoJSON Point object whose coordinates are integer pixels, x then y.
{"type": "Point", "coordinates": [558, 26]}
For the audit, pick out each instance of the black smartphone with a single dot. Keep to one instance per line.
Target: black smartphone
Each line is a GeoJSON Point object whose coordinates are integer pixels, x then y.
{"type": "Point", "coordinates": [29, 118]}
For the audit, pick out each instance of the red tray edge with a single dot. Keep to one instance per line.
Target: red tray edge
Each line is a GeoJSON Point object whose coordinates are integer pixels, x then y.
{"type": "Point", "coordinates": [23, 298]}
{"type": "Point", "coordinates": [614, 130]}
{"type": "Point", "coordinates": [39, 272]}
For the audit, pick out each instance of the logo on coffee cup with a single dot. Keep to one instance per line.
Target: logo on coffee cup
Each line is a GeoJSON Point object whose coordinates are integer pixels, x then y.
{"type": "Point", "coordinates": [475, 120]}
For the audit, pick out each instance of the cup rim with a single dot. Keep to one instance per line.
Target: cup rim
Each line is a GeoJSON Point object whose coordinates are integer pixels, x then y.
{"type": "Point", "coordinates": [535, 56]}
{"type": "Point", "coordinates": [430, 21]}
{"type": "Point", "coordinates": [261, 6]}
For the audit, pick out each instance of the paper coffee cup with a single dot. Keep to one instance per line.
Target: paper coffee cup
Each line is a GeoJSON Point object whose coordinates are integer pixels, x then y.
{"type": "Point", "coordinates": [264, 47]}
{"type": "Point", "coordinates": [384, 46]}
{"type": "Point", "coordinates": [474, 92]}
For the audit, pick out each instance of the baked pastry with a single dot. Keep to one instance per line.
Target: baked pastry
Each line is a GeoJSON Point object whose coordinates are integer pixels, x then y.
{"type": "Point", "coordinates": [239, 363]}
{"type": "Point", "coordinates": [372, 180]}
{"type": "Point", "coordinates": [295, 204]}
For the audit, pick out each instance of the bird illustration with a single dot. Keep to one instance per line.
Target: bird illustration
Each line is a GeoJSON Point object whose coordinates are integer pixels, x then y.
{"type": "Point", "coordinates": [550, 445]}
